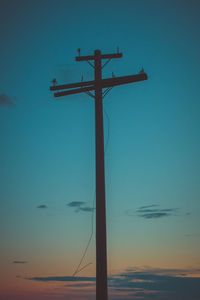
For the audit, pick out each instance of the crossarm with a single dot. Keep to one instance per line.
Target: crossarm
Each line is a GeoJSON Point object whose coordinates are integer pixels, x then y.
{"type": "Point", "coordinates": [103, 56]}
{"type": "Point", "coordinates": [123, 80]}
{"type": "Point", "coordinates": [71, 85]}
{"type": "Point", "coordinates": [104, 83]}
{"type": "Point", "coordinates": [75, 91]}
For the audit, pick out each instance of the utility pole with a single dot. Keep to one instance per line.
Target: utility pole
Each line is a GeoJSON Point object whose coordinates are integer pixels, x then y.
{"type": "Point", "coordinates": [97, 85]}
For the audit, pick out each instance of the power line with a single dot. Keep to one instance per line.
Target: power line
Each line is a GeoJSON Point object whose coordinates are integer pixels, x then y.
{"type": "Point", "coordinates": [78, 269]}
{"type": "Point", "coordinates": [88, 243]}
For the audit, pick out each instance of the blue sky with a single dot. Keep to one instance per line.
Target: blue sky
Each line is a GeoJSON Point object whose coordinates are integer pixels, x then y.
{"type": "Point", "coordinates": [47, 153]}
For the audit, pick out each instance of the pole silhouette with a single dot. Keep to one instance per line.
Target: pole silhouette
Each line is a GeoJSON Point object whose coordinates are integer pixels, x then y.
{"type": "Point", "coordinates": [97, 85]}
{"type": "Point", "coordinates": [101, 257]}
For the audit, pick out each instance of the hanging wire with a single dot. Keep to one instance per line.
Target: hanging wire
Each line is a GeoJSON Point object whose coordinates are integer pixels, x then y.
{"type": "Point", "coordinates": [82, 268]}
{"type": "Point", "coordinates": [79, 269]}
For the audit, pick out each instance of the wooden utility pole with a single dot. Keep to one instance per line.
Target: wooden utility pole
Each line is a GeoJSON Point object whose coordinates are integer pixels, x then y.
{"type": "Point", "coordinates": [97, 85]}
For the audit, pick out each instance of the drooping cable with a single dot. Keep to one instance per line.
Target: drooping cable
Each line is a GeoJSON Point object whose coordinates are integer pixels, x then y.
{"type": "Point", "coordinates": [82, 268]}
{"type": "Point", "coordinates": [78, 269]}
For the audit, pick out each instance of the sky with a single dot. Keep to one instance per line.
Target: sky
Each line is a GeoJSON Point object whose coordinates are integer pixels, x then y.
{"type": "Point", "coordinates": [152, 146]}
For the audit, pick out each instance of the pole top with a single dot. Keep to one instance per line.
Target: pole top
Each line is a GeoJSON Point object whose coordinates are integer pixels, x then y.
{"type": "Point", "coordinates": [97, 52]}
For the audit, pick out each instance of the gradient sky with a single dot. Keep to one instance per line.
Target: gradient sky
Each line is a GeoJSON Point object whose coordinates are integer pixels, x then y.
{"type": "Point", "coordinates": [152, 153]}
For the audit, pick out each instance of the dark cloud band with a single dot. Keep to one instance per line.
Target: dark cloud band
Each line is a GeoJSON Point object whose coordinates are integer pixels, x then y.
{"type": "Point", "coordinates": [19, 262]}
{"type": "Point", "coordinates": [6, 100]}
{"type": "Point", "coordinates": [153, 212]}
{"type": "Point", "coordinates": [80, 206]}
{"type": "Point", "coordinates": [62, 278]}
{"type": "Point", "coordinates": [42, 206]}
{"type": "Point", "coordinates": [76, 204]}
{"type": "Point", "coordinates": [166, 284]}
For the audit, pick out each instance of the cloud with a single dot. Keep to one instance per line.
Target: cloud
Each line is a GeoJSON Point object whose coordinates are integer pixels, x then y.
{"type": "Point", "coordinates": [87, 208]}
{"type": "Point", "coordinates": [152, 212]}
{"type": "Point", "coordinates": [154, 215]}
{"type": "Point", "coordinates": [188, 213]}
{"type": "Point", "coordinates": [80, 206]}
{"type": "Point", "coordinates": [19, 262]}
{"type": "Point", "coordinates": [146, 283]}
{"type": "Point", "coordinates": [148, 206]}
{"type": "Point", "coordinates": [192, 235]}
{"type": "Point", "coordinates": [75, 204]}
{"type": "Point", "coordinates": [82, 284]}
{"type": "Point", "coordinates": [63, 278]}
{"type": "Point", "coordinates": [42, 206]}
{"type": "Point", "coordinates": [157, 284]}
{"type": "Point", "coordinates": [6, 100]}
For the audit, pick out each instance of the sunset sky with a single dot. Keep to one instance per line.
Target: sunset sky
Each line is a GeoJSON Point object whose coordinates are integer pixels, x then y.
{"type": "Point", "coordinates": [152, 152]}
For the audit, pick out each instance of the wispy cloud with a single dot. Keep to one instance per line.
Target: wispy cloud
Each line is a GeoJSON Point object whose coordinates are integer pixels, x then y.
{"type": "Point", "coordinates": [148, 206]}
{"type": "Point", "coordinates": [152, 212]}
{"type": "Point", "coordinates": [157, 284]}
{"type": "Point", "coordinates": [76, 204]}
{"type": "Point", "coordinates": [192, 235]}
{"type": "Point", "coordinates": [80, 206]}
{"type": "Point", "coordinates": [86, 208]}
{"type": "Point", "coordinates": [20, 262]}
{"type": "Point", "coordinates": [144, 283]}
{"type": "Point", "coordinates": [62, 278]}
{"type": "Point", "coordinates": [5, 100]}
{"type": "Point", "coordinates": [42, 206]}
